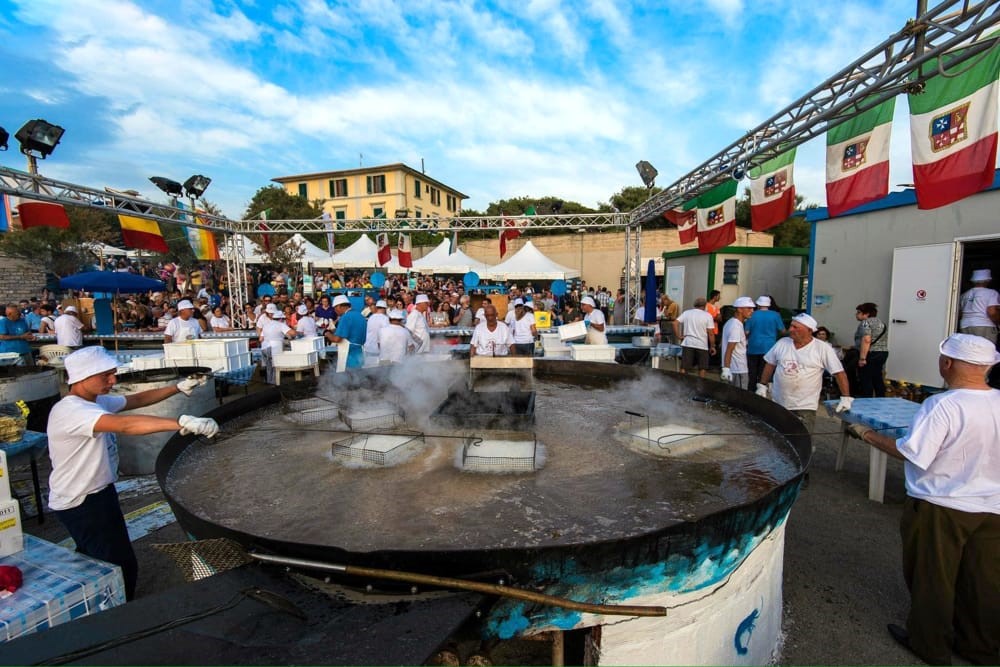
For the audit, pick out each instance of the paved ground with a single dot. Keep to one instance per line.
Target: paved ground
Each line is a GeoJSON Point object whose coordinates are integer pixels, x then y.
{"type": "Point", "coordinates": [842, 564]}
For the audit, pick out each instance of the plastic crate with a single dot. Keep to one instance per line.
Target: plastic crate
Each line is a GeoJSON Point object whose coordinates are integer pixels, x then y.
{"type": "Point", "coordinates": [600, 353]}
{"type": "Point", "coordinates": [148, 362]}
{"type": "Point", "coordinates": [230, 363]}
{"type": "Point", "coordinates": [220, 348]}
{"type": "Point", "coordinates": [309, 344]}
{"type": "Point", "coordinates": [574, 331]}
{"type": "Point", "coordinates": [183, 351]}
{"type": "Point", "coordinates": [295, 359]}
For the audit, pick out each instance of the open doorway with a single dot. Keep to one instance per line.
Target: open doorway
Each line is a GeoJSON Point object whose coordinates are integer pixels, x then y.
{"type": "Point", "coordinates": [983, 254]}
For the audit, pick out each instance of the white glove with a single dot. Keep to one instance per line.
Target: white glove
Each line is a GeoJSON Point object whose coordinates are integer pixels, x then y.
{"type": "Point", "coordinates": [727, 375]}
{"type": "Point", "coordinates": [845, 404]}
{"type": "Point", "coordinates": [205, 426]}
{"type": "Point", "coordinates": [761, 390]}
{"type": "Point", "coordinates": [189, 384]}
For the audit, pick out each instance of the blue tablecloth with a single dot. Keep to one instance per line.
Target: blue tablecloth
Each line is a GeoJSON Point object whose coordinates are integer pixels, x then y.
{"type": "Point", "coordinates": [889, 416]}
{"type": "Point", "coordinates": [29, 441]}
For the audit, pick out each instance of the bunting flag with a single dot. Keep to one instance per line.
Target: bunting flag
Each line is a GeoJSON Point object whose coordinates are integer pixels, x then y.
{"type": "Point", "coordinates": [687, 224]}
{"type": "Point", "coordinates": [202, 241]}
{"type": "Point", "coordinates": [142, 233]}
{"type": "Point", "coordinates": [404, 252]}
{"type": "Point", "coordinates": [857, 159]}
{"type": "Point", "coordinates": [772, 192]}
{"type": "Point", "coordinates": [265, 238]}
{"type": "Point", "coordinates": [953, 130]}
{"type": "Point", "coordinates": [42, 214]}
{"type": "Point", "coordinates": [384, 251]}
{"type": "Point", "coordinates": [6, 213]}
{"type": "Point", "coordinates": [717, 217]}
{"type": "Point", "coordinates": [330, 240]}
{"type": "Point", "coordinates": [510, 229]}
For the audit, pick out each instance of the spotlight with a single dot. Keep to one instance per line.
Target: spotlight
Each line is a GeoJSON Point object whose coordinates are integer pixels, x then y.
{"type": "Point", "coordinates": [172, 188]}
{"type": "Point", "coordinates": [196, 185]}
{"type": "Point", "coordinates": [647, 172]}
{"type": "Point", "coordinates": [4, 136]}
{"type": "Point", "coordinates": [39, 136]}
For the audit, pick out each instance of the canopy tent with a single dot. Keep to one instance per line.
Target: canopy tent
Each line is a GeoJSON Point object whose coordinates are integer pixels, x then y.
{"type": "Point", "coordinates": [310, 251]}
{"type": "Point", "coordinates": [254, 253]}
{"type": "Point", "coordinates": [440, 260]}
{"type": "Point", "coordinates": [363, 253]}
{"type": "Point", "coordinates": [529, 263]}
{"type": "Point", "coordinates": [105, 250]}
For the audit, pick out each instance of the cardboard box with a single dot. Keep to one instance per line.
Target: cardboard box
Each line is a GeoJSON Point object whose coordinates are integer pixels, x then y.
{"type": "Point", "coordinates": [84, 309]}
{"type": "Point", "coordinates": [11, 536]}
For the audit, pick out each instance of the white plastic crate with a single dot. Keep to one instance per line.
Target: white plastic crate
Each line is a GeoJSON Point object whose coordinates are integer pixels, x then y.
{"type": "Point", "coordinates": [295, 359]}
{"type": "Point", "coordinates": [560, 352]}
{"type": "Point", "coordinates": [230, 363]}
{"type": "Point", "coordinates": [601, 353]}
{"type": "Point", "coordinates": [574, 331]}
{"type": "Point", "coordinates": [309, 344]}
{"type": "Point", "coordinates": [184, 351]}
{"type": "Point", "coordinates": [220, 348]}
{"type": "Point", "coordinates": [550, 340]}
{"type": "Point", "coordinates": [147, 362]}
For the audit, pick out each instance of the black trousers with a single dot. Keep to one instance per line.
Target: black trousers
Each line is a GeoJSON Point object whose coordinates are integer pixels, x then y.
{"type": "Point", "coordinates": [98, 528]}
{"type": "Point", "coordinates": [870, 375]}
{"type": "Point", "coordinates": [755, 365]}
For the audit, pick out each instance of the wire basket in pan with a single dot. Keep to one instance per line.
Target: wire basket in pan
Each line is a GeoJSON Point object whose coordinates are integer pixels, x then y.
{"type": "Point", "coordinates": [373, 417]}
{"type": "Point", "coordinates": [380, 449]}
{"type": "Point", "coordinates": [483, 455]}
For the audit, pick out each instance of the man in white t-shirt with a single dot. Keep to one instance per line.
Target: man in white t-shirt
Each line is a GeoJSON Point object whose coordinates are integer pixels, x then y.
{"type": "Point", "coordinates": [695, 328]}
{"type": "Point", "coordinates": [980, 307]}
{"type": "Point", "coordinates": [84, 453]}
{"type": "Point", "coordinates": [524, 331]}
{"type": "Point", "coordinates": [184, 326]}
{"type": "Point", "coordinates": [491, 337]}
{"type": "Point", "coordinates": [951, 518]}
{"type": "Point", "coordinates": [376, 321]}
{"type": "Point", "coordinates": [395, 340]}
{"type": "Point", "coordinates": [306, 325]}
{"type": "Point", "coordinates": [69, 328]}
{"type": "Point", "coordinates": [797, 363]}
{"type": "Point", "coordinates": [416, 322]}
{"type": "Point", "coordinates": [734, 345]}
{"type": "Point", "coordinates": [595, 322]}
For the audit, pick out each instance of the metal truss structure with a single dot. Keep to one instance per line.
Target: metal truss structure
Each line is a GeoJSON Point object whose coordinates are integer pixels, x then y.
{"type": "Point", "coordinates": [897, 65]}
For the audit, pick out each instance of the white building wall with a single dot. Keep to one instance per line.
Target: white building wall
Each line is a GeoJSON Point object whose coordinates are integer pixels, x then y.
{"type": "Point", "coordinates": [695, 277]}
{"type": "Point", "coordinates": [853, 254]}
{"type": "Point", "coordinates": [762, 274]}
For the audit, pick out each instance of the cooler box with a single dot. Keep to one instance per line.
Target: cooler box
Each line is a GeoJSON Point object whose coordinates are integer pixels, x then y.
{"type": "Point", "coordinates": [601, 353]}
{"type": "Point", "coordinates": [147, 362]}
{"type": "Point", "coordinates": [220, 348]}
{"type": "Point", "coordinates": [295, 359]}
{"type": "Point", "coordinates": [309, 344]}
{"type": "Point", "coordinates": [574, 331]}
{"type": "Point", "coordinates": [179, 351]}
{"type": "Point", "coordinates": [224, 364]}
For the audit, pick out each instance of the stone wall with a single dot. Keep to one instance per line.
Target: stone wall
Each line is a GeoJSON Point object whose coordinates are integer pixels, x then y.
{"type": "Point", "coordinates": [20, 279]}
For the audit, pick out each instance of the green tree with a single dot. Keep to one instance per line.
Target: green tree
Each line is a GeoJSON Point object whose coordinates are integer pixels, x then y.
{"type": "Point", "coordinates": [64, 251]}
{"type": "Point", "coordinates": [278, 205]}
{"type": "Point", "coordinates": [629, 198]}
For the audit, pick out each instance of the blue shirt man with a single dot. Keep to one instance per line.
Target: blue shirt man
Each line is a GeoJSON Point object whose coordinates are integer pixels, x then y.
{"type": "Point", "coordinates": [351, 326]}
{"type": "Point", "coordinates": [33, 319]}
{"type": "Point", "coordinates": [14, 333]}
{"type": "Point", "coordinates": [763, 329]}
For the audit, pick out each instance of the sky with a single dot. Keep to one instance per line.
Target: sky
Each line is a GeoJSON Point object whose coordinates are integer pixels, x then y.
{"type": "Point", "coordinates": [497, 99]}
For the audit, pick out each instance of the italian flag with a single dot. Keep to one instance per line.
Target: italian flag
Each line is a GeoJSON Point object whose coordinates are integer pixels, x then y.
{"type": "Point", "coordinates": [717, 217]}
{"type": "Point", "coordinates": [953, 130]}
{"type": "Point", "coordinates": [404, 252]}
{"type": "Point", "coordinates": [142, 233]}
{"type": "Point", "coordinates": [772, 192]}
{"type": "Point", "coordinates": [857, 159]}
{"type": "Point", "coordinates": [384, 251]}
{"type": "Point", "coordinates": [687, 224]}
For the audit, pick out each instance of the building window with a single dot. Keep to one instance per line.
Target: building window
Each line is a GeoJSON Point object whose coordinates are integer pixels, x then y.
{"type": "Point", "coordinates": [340, 214]}
{"type": "Point", "coordinates": [416, 188]}
{"type": "Point", "coordinates": [452, 202]}
{"type": "Point", "coordinates": [731, 272]}
{"type": "Point", "coordinates": [419, 214]}
{"type": "Point", "coordinates": [435, 197]}
{"type": "Point", "coordinates": [338, 187]}
{"type": "Point", "coordinates": [303, 191]}
{"type": "Point", "coordinates": [378, 211]}
{"type": "Point", "coordinates": [376, 184]}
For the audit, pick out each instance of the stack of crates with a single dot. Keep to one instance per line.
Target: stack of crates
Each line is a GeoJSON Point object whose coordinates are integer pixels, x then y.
{"type": "Point", "coordinates": [219, 354]}
{"type": "Point", "coordinates": [553, 347]}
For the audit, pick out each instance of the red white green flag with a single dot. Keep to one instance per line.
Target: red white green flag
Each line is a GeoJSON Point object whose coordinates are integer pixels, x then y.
{"type": "Point", "coordinates": [772, 192]}
{"type": "Point", "coordinates": [717, 217]}
{"type": "Point", "coordinates": [953, 130]}
{"type": "Point", "coordinates": [404, 251]}
{"type": "Point", "coordinates": [384, 250]}
{"type": "Point", "coordinates": [687, 224]}
{"type": "Point", "coordinates": [857, 159]}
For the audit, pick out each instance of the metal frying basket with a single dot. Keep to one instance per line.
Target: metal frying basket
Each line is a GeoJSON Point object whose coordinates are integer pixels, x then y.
{"type": "Point", "coordinates": [378, 448]}
{"type": "Point", "coordinates": [478, 455]}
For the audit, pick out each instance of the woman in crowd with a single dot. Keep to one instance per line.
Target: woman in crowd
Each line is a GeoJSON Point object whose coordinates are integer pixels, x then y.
{"type": "Point", "coordinates": [249, 316]}
{"type": "Point", "coordinates": [219, 321]}
{"type": "Point", "coordinates": [441, 317]}
{"type": "Point", "coordinates": [873, 350]}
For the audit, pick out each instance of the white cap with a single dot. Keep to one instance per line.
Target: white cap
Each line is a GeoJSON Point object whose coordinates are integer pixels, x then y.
{"type": "Point", "coordinates": [381, 304]}
{"type": "Point", "coordinates": [184, 305]}
{"type": "Point", "coordinates": [806, 320]}
{"type": "Point", "coordinates": [86, 362]}
{"type": "Point", "coordinates": [271, 308]}
{"type": "Point", "coordinates": [529, 305]}
{"type": "Point", "coordinates": [588, 301]}
{"type": "Point", "coordinates": [278, 316]}
{"type": "Point", "coordinates": [981, 275]}
{"type": "Point", "coordinates": [69, 309]}
{"type": "Point", "coordinates": [397, 315]}
{"type": "Point", "coordinates": [303, 309]}
{"type": "Point", "coordinates": [966, 347]}
{"type": "Point", "coordinates": [764, 301]}
{"type": "Point", "coordinates": [341, 300]}
{"type": "Point", "coordinates": [517, 302]}
{"type": "Point", "coordinates": [422, 298]}
{"type": "Point", "coordinates": [743, 302]}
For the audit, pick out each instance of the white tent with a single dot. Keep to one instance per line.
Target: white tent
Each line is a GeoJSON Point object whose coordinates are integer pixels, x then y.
{"type": "Point", "coordinates": [253, 252]}
{"type": "Point", "coordinates": [363, 253]}
{"type": "Point", "coordinates": [529, 263]}
{"type": "Point", "coordinates": [310, 251]}
{"type": "Point", "coordinates": [109, 250]}
{"type": "Point", "coordinates": [440, 261]}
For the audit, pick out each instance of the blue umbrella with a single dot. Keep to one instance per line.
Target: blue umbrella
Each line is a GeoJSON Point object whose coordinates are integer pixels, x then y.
{"type": "Point", "coordinates": [111, 282]}
{"type": "Point", "coordinates": [649, 307]}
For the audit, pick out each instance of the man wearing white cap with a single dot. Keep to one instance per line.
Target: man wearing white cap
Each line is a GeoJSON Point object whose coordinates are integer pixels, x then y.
{"type": "Point", "coordinates": [351, 327]}
{"type": "Point", "coordinates": [376, 321]}
{"type": "Point", "coordinates": [524, 331]}
{"type": "Point", "coordinates": [695, 329]}
{"type": "Point", "coordinates": [797, 363]}
{"type": "Point", "coordinates": [416, 322]}
{"type": "Point", "coordinates": [594, 320]}
{"type": "Point", "coordinates": [763, 330]}
{"type": "Point", "coordinates": [951, 518]}
{"type": "Point", "coordinates": [394, 341]}
{"type": "Point", "coordinates": [306, 324]}
{"type": "Point", "coordinates": [734, 345]}
{"type": "Point", "coordinates": [184, 326]}
{"type": "Point", "coordinates": [84, 452]}
{"type": "Point", "coordinates": [69, 328]}
{"type": "Point", "coordinates": [980, 307]}
{"type": "Point", "coordinates": [272, 332]}
{"type": "Point", "coordinates": [491, 337]}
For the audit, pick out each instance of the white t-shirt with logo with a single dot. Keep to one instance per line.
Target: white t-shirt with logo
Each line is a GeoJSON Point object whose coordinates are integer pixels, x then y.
{"type": "Point", "coordinates": [181, 330]}
{"type": "Point", "coordinates": [798, 372]}
{"type": "Point", "coordinates": [83, 462]}
{"type": "Point", "coordinates": [494, 343]}
{"type": "Point", "coordinates": [734, 332]}
{"type": "Point", "coordinates": [695, 325]}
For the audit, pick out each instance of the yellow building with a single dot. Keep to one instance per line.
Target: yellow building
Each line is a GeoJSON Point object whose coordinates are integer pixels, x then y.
{"type": "Point", "coordinates": [392, 190]}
